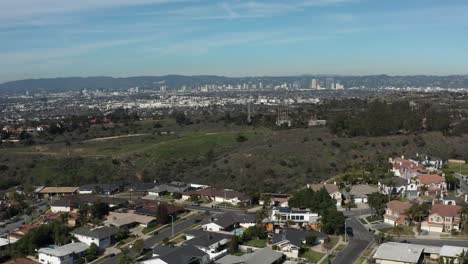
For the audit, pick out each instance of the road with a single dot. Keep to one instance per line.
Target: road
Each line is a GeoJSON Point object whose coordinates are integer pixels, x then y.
{"type": "Point", "coordinates": [360, 240]}
{"type": "Point", "coordinates": [463, 183]}
{"type": "Point", "coordinates": [153, 240]}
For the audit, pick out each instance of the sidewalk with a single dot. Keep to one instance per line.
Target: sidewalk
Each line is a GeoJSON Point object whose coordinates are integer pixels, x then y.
{"type": "Point", "coordinates": [332, 250]}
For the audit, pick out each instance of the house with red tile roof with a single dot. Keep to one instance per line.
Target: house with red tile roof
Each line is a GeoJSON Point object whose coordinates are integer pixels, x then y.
{"type": "Point", "coordinates": [395, 213]}
{"type": "Point", "coordinates": [434, 183]}
{"type": "Point", "coordinates": [443, 218]}
{"type": "Point", "coordinates": [405, 168]}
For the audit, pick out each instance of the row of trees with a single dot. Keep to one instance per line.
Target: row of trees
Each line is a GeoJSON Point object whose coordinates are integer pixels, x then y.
{"type": "Point", "coordinates": [379, 118]}
{"type": "Point", "coordinates": [332, 221]}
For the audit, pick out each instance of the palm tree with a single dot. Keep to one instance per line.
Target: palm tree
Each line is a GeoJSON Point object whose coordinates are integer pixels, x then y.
{"type": "Point", "coordinates": [463, 257]}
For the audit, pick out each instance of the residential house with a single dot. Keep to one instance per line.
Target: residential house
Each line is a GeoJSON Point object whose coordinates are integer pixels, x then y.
{"type": "Point", "coordinates": [218, 195]}
{"type": "Point", "coordinates": [215, 244]}
{"type": "Point", "coordinates": [125, 221]}
{"type": "Point", "coordinates": [394, 186]}
{"type": "Point", "coordinates": [73, 202]}
{"type": "Point", "coordinates": [151, 207]}
{"type": "Point", "coordinates": [405, 168]}
{"type": "Point", "coordinates": [140, 187]}
{"type": "Point", "coordinates": [450, 254]}
{"type": "Point", "coordinates": [53, 191]}
{"type": "Point", "coordinates": [395, 213]}
{"type": "Point", "coordinates": [101, 236]}
{"type": "Point", "coordinates": [229, 221]}
{"type": "Point", "coordinates": [281, 215]}
{"type": "Point", "coordinates": [443, 218]}
{"type": "Point", "coordinates": [359, 193]}
{"type": "Point", "coordinates": [106, 189]}
{"type": "Point", "coordinates": [260, 256]}
{"type": "Point", "coordinates": [63, 205]}
{"type": "Point", "coordinates": [66, 254]}
{"type": "Point", "coordinates": [400, 253]}
{"type": "Point", "coordinates": [290, 240]}
{"type": "Point", "coordinates": [276, 199]}
{"type": "Point", "coordinates": [21, 231]}
{"type": "Point", "coordinates": [435, 184]}
{"type": "Point", "coordinates": [332, 190]}
{"type": "Point", "coordinates": [171, 188]}
{"type": "Point", "coordinates": [178, 255]}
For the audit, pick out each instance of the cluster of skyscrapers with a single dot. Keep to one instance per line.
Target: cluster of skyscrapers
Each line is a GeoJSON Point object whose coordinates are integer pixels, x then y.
{"type": "Point", "coordinates": [326, 84]}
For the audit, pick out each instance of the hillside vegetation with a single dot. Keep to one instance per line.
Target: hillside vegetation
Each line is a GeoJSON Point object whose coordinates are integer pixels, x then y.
{"type": "Point", "coordinates": [246, 158]}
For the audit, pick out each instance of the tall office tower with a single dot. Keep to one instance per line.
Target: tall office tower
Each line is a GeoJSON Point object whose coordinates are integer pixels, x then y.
{"type": "Point", "coordinates": [333, 86]}
{"type": "Point", "coordinates": [328, 83]}
{"type": "Point", "coordinates": [313, 84]}
{"type": "Point", "coordinates": [260, 85]}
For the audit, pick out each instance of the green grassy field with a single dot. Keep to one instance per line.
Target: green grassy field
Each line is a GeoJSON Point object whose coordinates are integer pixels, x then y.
{"type": "Point", "coordinates": [313, 256]}
{"type": "Point", "coordinates": [458, 168]}
{"type": "Point", "coordinates": [259, 243]}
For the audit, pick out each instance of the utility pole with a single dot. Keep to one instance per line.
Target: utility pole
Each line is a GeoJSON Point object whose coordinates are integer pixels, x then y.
{"type": "Point", "coordinates": [172, 225]}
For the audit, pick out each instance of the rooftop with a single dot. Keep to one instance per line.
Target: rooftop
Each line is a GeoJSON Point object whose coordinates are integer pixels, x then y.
{"type": "Point", "coordinates": [65, 250]}
{"type": "Point", "coordinates": [400, 252]}
{"type": "Point", "coordinates": [47, 190]}
{"type": "Point", "coordinates": [446, 210]}
{"type": "Point", "coordinates": [397, 206]}
{"type": "Point", "coordinates": [98, 232]}
{"type": "Point", "coordinates": [331, 188]}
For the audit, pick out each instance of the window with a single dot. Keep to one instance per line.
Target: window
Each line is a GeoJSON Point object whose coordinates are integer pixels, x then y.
{"type": "Point", "coordinates": [448, 219]}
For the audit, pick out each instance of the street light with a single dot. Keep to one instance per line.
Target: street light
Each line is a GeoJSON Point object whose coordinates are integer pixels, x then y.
{"type": "Point", "coordinates": [345, 229]}
{"type": "Point", "coordinates": [172, 226]}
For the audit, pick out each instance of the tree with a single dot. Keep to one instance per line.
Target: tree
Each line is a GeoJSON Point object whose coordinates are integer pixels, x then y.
{"type": "Point", "coordinates": [92, 252]}
{"type": "Point", "coordinates": [241, 138]}
{"type": "Point", "coordinates": [311, 240]}
{"type": "Point", "coordinates": [138, 246]}
{"type": "Point", "coordinates": [377, 202]}
{"type": "Point", "coordinates": [162, 214]}
{"type": "Point", "coordinates": [332, 221]}
{"type": "Point", "coordinates": [233, 245]}
{"type": "Point", "coordinates": [99, 209]}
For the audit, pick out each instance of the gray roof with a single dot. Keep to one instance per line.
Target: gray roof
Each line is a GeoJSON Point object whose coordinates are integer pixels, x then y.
{"type": "Point", "coordinates": [401, 252]}
{"type": "Point", "coordinates": [261, 256]}
{"type": "Point", "coordinates": [452, 251]}
{"type": "Point", "coordinates": [98, 232]}
{"type": "Point", "coordinates": [168, 188]}
{"type": "Point", "coordinates": [183, 255]}
{"type": "Point", "coordinates": [206, 238]}
{"type": "Point", "coordinates": [362, 190]}
{"type": "Point", "coordinates": [228, 219]}
{"type": "Point", "coordinates": [296, 236]}
{"type": "Point", "coordinates": [65, 250]}
{"type": "Point", "coordinates": [104, 187]}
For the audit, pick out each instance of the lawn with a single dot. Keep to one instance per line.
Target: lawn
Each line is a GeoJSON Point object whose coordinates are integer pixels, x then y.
{"type": "Point", "coordinates": [459, 168]}
{"type": "Point", "coordinates": [373, 218]}
{"type": "Point", "coordinates": [363, 259]}
{"type": "Point", "coordinates": [313, 256]}
{"type": "Point", "coordinates": [259, 243]}
{"type": "Point", "coordinates": [334, 240]}
{"type": "Point", "coordinates": [406, 231]}
{"type": "Point", "coordinates": [362, 221]}
{"type": "Point", "coordinates": [340, 247]}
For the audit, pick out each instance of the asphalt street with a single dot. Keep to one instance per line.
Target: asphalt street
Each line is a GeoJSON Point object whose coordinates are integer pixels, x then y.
{"type": "Point", "coordinates": [361, 238]}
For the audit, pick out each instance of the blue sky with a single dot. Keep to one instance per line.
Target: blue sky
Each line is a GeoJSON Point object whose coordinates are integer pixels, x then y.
{"type": "Point", "coordinates": [53, 38]}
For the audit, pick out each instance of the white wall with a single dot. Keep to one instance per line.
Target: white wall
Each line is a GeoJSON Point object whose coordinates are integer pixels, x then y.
{"type": "Point", "coordinates": [102, 244]}
{"type": "Point", "coordinates": [57, 209]}
{"type": "Point", "coordinates": [48, 259]}
{"type": "Point", "coordinates": [212, 227]}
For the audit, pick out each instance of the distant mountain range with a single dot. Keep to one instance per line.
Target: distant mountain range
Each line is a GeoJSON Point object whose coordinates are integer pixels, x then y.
{"type": "Point", "coordinates": [51, 85]}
